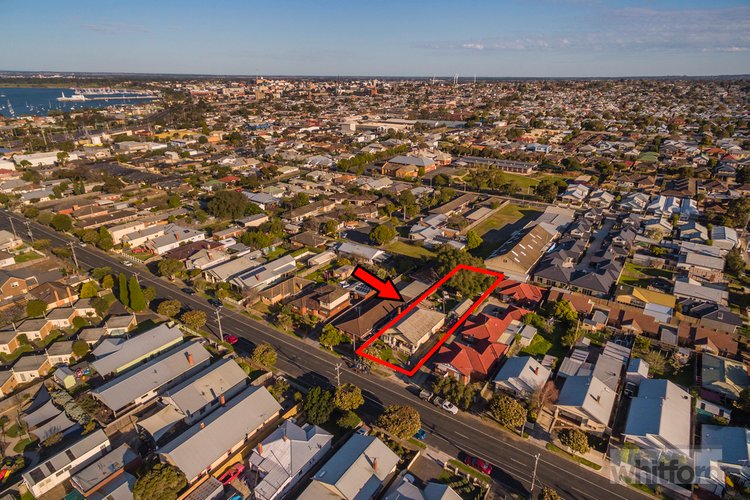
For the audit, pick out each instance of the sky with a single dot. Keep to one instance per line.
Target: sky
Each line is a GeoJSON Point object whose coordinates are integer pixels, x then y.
{"type": "Point", "coordinates": [493, 38]}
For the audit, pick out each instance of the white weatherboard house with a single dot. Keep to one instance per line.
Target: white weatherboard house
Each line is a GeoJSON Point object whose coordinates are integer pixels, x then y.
{"type": "Point", "coordinates": [660, 416]}
{"type": "Point", "coordinates": [62, 466]}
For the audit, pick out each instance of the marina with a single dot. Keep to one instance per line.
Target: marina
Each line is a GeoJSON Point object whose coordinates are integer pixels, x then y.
{"type": "Point", "coordinates": [39, 101]}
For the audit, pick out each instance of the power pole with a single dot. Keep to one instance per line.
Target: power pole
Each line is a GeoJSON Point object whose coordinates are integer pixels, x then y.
{"type": "Point", "coordinates": [218, 321]}
{"type": "Point", "coordinates": [338, 374]}
{"type": "Point", "coordinates": [12, 226]}
{"type": "Point", "coordinates": [73, 253]}
{"type": "Point", "coordinates": [28, 227]}
{"type": "Point", "coordinates": [533, 476]}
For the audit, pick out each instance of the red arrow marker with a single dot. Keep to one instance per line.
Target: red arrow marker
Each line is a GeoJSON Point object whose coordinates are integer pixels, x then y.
{"type": "Point", "coordinates": [386, 289]}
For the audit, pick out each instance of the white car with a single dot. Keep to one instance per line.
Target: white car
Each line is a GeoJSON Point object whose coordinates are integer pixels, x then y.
{"type": "Point", "coordinates": [449, 407]}
{"type": "Point", "coordinates": [128, 264]}
{"type": "Point", "coordinates": [82, 245]}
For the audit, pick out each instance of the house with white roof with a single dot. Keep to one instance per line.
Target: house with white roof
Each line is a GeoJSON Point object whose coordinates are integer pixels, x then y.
{"type": "Point", "coordinates": [660, 417]}
{"type": "Point", "coordinates": [521, 376]}
{"type": "Point", "coordinates": [358, 470]}
{"type": "Point", "coordinates": [284, 457]}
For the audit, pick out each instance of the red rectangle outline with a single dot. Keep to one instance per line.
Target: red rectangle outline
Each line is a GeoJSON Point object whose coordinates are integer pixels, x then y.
{"type": "Point", "coordinates": [360, 351]}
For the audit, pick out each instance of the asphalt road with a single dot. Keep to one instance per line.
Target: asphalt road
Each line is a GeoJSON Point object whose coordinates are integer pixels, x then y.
{"type": "Point", "coordinates": [512, 459]}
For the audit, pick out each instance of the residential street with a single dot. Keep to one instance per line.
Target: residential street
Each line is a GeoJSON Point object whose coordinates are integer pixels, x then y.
{"type": "Point", "coordinates": [513, 458]}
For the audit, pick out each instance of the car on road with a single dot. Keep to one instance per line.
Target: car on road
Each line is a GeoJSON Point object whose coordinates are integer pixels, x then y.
{"type": "Point", "coordinates": [421, 434]}
{"type": "Point", "coordinates": [231, 474]}
{"type": "Point", "coordinates": [188, 291]}
{"type": "Point", "coordinates": [82, 245]}
{"type": "Point", "coordinates": [215, 302]}
{"type": "Point", "coordinates": [231, 339]}
{"type": "Point", "coordinates": [449, 407]}
{"type": "Point", "coordinates": [437, 401]}
{"type": "Point", "coordinates": [425, 394]}
{"type": "Point", "coordinates": [127, 263]}
{"type": "Point", "coordinates": [478, 464]}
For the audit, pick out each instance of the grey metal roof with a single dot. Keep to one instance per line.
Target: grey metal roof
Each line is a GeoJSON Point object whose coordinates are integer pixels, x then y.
{"type": "Point", "coordinates": [123, 390]}
{"type": "Point", "coordinates": [61, 423]}
{"type": "Point", "coordinates": [589, 395]}
{"type": "Point", "coordinates": [121, 488]}
{"type": "Point", "coordinates": [151, 341]}
{"type": "Point", "coordinates": [660, 412]}
{"type": "Point", "coordinates": [66, 456]}
{"type": "Point", "coordinates": [197, 448]}
{"type": "Point", "coordinates": [105, 467]}
{"type": "Point", "coordinates": [206, 386]}
{"type": "Point", "coordinates": [358, 468]}
{"type": "Point", "coordinates": [289, 450]}
{"type": "Point", "coordinates": [46, 412]}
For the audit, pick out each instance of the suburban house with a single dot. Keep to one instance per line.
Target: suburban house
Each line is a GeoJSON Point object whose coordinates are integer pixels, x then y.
{"type": "Point", "coordinates": [207, 444]}
{"type": "Point", "coordinates": [130, 352]}
{"type": "Point", "coordinates": [324, 302]}
{"type": "Point", "coordinates": [362, 253]}
{"type": "Point", "coordinates": [585, 402]}
{"type": "Point", "coordinates": [137, 387]}
{"type": "Point", "coordinates": [284, 457]}
{"type": "Point", "coordinates": [358, 470]}
{"type": "Point", "coordinates": [414, 329]}
{"type": "Point", "coordinates": [55, 294]}
{"type": "Point", "coordinates": [173, 237]}
{"type": "Point", "coordinates": [362, 319]}
{"type": "Point", "coordinates": [474, 354]}
{"type": "Point", "coordinates": [62, 466]}
{"type": "Point", "coordinates": [266, 274]}
{"type": "Point", "coordinates": [521, 376]}
{"type": "Point", "coordinates": [660, 416]}
{"type": "Point", "coordinates": [196, 397]}
{"type": "Point", "coordinates": [721, 379]}
{"type": "Point", "coordinates": [724, 450]}
{"type": "Point", "coordinates": [106, 470]}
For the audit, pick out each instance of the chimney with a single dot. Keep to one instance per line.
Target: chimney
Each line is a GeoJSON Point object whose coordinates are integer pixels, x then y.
{"type": "Point", "coordinates": [260, 448]}
{"type": "Point", "coordinates": [285, 438]}
{"type": "Point", "coordinates": [222, 400]}
{"type": "Point", "coordinates": [57, 296]}
{"type": "Point", "coordinates": [375, 464]}
{"type": "Point", "coordinates": [203, 425]}
{"type": "Point", "coordinates": [535, 370]}
{"type": "Point", "coordinates": [190, 358]}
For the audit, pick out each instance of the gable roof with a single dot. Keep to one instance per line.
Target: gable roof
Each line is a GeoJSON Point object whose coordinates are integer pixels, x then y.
{"type": "Point", "coordinates": [661, 412]}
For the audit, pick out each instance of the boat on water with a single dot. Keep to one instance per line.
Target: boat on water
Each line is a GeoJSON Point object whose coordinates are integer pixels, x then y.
{"type": "Point", "coordinates": [75, 97]}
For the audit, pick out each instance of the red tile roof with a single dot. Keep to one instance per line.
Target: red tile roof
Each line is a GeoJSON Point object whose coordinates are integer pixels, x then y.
{"type": "Point", "coordinates": [521, 292]}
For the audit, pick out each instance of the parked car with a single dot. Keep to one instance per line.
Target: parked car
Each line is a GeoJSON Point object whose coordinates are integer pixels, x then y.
{"type": "Point", "coordinates": [449, 407]}
{"type": "Point", "coordinates": [231, 474]}
{"type": "Point", "coordinates": [478, 464]}
{"type": "Point", "coordinates": [82, 245]}
{"type": "Point", "coordinates": [425, 394]}
{"type": "Point", "coordinates": [188, 291]}
{"type": "Point", "coordinates": [128, 264]}
{"type": "Point", "coordinates": [215, 302]}
{"type": "Point", "coordinates": [437, 401]}
{"type": "Point", "coordinates": [231, 339]}
{"type": "Point", "coordinates": [421, 434]}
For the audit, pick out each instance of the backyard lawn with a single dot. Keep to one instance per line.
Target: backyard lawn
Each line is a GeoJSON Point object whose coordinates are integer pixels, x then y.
{"type": "Point", "coordinates": [507, 215]}
{"type": "Point", "coordinates": [403, 248]}
{"type": "Point", "coordinates": [641, 276]}
{"type": "Point", "coordinates": [499, 227]}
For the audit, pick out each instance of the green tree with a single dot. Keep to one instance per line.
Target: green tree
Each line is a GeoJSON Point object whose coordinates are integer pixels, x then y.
{"type": "Point", "coordinates": [228, 205]}
{"type": "Point", "coordinates": [35, 308]}
{"type": "Point", "coordinates": [284, 321]}
{"type": "Point", "coordinates": [548, 493]}
{"type": "Point", "coordinates": [135, 295]}
{"type": "Point", "coordinates": [61, 222]}
{"type": "Point", "coordinates": [455, 391]}
{"type": "Point", "coordinates": [169, 268]}
{"type": "Point", "coordinates": [575, 439]}
{"type": "Point", "coordinates": [173, 201]}
{"type": "Point", "coordinates": [400, 420]}
{"type": "Point", "coordinates": [382, 234]}
{"type": "Point", "coordinates": [149, 294]}
{"type": "Point", "coordinates": [473, 240]}
{"type": "Point", "coordinates": [122, 289]}
{"type": "Point", "coordinates": [195, 319]}
{"type": "Point", "coordinates": [733, 262]}
{"type": "Point", "coordinates": [348, 420]}
{"type": "Point", "coordinates": [264, 355]}
{"type": "Point", "coordinates": [299, 200]}
{"type": "Point", "coordinates": [348, 397]}
{"type": "Point", "coordinates": [330, 336]}
{"type": "Point", "coordinates": [564, 311]}
{"type": "Point", "coordinates": [318, 405]}
{"type": "Point", "coordinates": [656, 362]}
{"type": "Point", "coordinates": [90, 236]}
{"type": "Point", "coordinates": [105, 242]}
{"type": "Point", "coordinates": [169, 308]}
{"type": "Point", "coordinates": [108, 282]}
{"type": "Point", "coordinates": [101, 306]}
{"type": "Point", "coordinates": [162, 482]}
{"type": "Point", "coordinates": [80, 348]}
{"type": "Point", "coordinates": [331, 226]}
{"type": "Point", "coordinates": [465, 282]}
{"type": "Point", "coordinates": [279, 388]}
{"type": "Point", "coordinates": [88, 290]}
{"type": "Point", "coordinates": [507, 411]}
